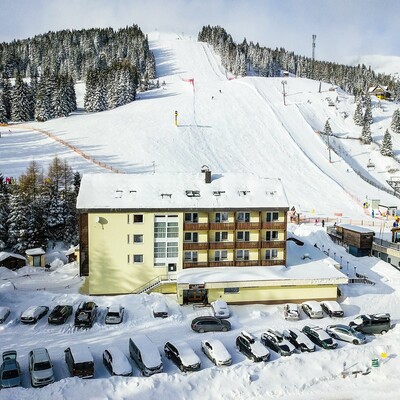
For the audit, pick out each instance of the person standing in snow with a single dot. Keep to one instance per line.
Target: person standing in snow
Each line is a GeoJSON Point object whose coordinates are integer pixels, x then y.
{"type": "Point", "coordinates": [323, 223]}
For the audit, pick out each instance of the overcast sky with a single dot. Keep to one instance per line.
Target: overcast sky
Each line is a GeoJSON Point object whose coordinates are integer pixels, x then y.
{"type": "Point", "coordinates": [343, 27]}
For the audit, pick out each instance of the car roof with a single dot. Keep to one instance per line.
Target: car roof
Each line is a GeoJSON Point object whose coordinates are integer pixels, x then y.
{"type": "Point", "coordinates": [81, 353]}
{"type": "Point", "coordinates": [40, 354]}
{"type": "Point", "coordinates": [114, 308]}
{"type": "Point", "coordinates": [205, 318]}
{"type": "Point", "coordinates": [332, 305]}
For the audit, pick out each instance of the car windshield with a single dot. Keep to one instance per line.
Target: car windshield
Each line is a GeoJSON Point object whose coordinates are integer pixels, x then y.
{"type": "Point", "coordinates": [10, 374]}
{"type": "Point", "coordinates": [328, 341]}
{"type": "Point", "coordinates": [41, 366]}
{"type": "Point", "coordinates": [113, 314]}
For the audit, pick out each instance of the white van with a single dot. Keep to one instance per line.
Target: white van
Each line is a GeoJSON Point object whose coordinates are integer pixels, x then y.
{"type": "Point", "coordinates": [145, 354]}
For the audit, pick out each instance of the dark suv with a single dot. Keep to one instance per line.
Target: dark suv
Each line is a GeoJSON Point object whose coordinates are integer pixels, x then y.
{"type": "Point", "coordinates": [86, 314]}
{"type": "Point", "coordinates": [182, 355]}
{"type": "Point", "coordinates": [210, 324]}
{"type": "Point", "coordinates": [251, 347]}
{"type": "Point", "coordinates": [60, 314]}
{"type": "Point", "coordinates": [372, 323]}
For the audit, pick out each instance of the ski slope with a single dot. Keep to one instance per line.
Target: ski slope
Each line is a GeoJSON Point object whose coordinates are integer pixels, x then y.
{"type": "Point", "coordinates": [231, 125]}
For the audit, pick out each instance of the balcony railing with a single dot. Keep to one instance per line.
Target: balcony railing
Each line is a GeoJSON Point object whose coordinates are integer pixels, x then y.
{"type": "Point", "coordinates": [222, 245]}
{"type": "Point", "coordinates": [195, 246]}
{"type": "Point", "coordinates": [273, 225]}
{"type": "Point", "coordinates": [247, 225]}
{"type": "Point", "coordinates": [222, 226]}
{"type": "Point", "coordinates": [247, 245]}
{"type": "Point", "coordinates": [194, 264]}
{"type": "Point", "coordinates": [276, 244]}
{"type": "Point", "coordinates": [247, 263]}
{"type": "Point", "coordinates": [221, 263]}
{"type": "Point", "coordinates": [195, 226]}
{"type": "Point", "coordinates": [272, 262]}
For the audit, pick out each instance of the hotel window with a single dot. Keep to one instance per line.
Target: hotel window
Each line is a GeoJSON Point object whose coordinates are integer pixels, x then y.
{"type": "Point", "coordinates": [243, 217]}
{"type": "Point", "coordinates": [137, 238]}
{"type": "Point", "coordinates": [220, 255]}
{"type": "Point", "coordinates": [137, 218]}
{"type": "Point", "coordinates": [128, 238]}
{"type": "Point", "coordinates": [160, 229]}
{"type": "Point", "coordinates": [221, 217]}
{"type": "Point", "coordinates": [192, 217]}
{"type": "Point", "coordinates": [231, 290]}
{"type": "Point", "coordinates": [159, 249]}
{"type": "Point", "coordinates": [191, 256]}
{"type": "Point", "coordinates": [192, 237]}
{"type": "Point", "coordinates": [221, 236]}
{"type": "Point", "coordinates": [271, 254]}
{"type": "Point", "coordinates": [172, 230]}
{"type": "Point", "coordinates": [172, 249]}
{"type": "Point", "coordinates": [243, 236]}
{"type": "Point", "coordinates": [242, 254]}
{"type": "Point", "coordinates": [138, 258]}
{"type": "Point", "coordinates": [272, 216]}
{"type": "Point", "coordinates": [271, 235]}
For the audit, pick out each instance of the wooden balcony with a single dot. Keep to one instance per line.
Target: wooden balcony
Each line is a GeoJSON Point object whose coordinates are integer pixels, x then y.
{"type": "Point", "coordinates": [195, 246]}
{"type": "Point", "coordinates": [222, 245]}
{"type": "Point", "coordinates": [247, 263]}
{"type": "Point", "coordinates": [193, 264]}
{"type": "Point", "coordinates": [222, 226]}
{"type": "Point", "coordinates": [273, 225]}
{"type": "Point", "coordinates": [247, 245]}
{"type": "Point", "coordinates": [273, 244]}
{"type": "Point", "coordinates": [272, 262]}
{"type": "Point", "coordinates": [247, 225]}
{"type": "Point", "coordinates": [194, 226]}
{"type": "Point", "coordinates": [221, 264]}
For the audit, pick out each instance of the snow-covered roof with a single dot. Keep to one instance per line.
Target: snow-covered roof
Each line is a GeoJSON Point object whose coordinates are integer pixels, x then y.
{"type": "Point", "coordinates": [35, 252]}
{"type": "Point", "coordinates": [120, 364]}
{"type": "Point", "coordinates": [81, 353]}
{"type": "Point", "coordinates": [180, 191]}
{"type": "Point", "coordinates": [354, 228]}
{"type": "Point", "coordinates": [4, 255]}
{"type": "Point", "coordinates": [187, 354]}
{"type": "Point", "coordinates": [150, 355]}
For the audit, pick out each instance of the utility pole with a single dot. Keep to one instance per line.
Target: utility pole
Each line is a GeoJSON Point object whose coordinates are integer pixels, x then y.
{"type": "Point", "coordinates": [313, 52]}
{"type": "Point", "coordinates": [329, 149]}
{"type": "Point", "coordinates": [284, 93]}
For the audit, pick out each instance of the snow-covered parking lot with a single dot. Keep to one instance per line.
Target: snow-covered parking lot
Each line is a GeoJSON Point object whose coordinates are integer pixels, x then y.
{"type": "Point", "coordinates": [303, 375]}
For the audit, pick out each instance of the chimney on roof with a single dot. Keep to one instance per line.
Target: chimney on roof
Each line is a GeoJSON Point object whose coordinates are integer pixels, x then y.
{"type": "Point", "coordinates": [207, 173]}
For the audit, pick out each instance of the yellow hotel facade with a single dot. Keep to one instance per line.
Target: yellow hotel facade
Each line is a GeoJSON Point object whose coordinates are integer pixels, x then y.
{"type": "Point", "coordinates": [160, 232]}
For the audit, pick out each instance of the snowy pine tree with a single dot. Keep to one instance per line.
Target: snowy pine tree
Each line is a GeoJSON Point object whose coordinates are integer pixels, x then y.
{"type": "Point", "coordinates": [4, 212]}
{"type": "Point", "coordinates": [358, 114]}
{"type": "Point", "coordinates": [386, 147]}
{"type": "Point", "coordinates": [395, 125]}
{"type": "Point", "coordinates": [21, 105]}
{"type": "Point", "coordinates": [368, 113]}
{"type": "Point", "coordinates": [327, 128]}
{"type": "Point", "coordinates": [3, 113]}
{"type": "Point", "coordinates": [366, 137]}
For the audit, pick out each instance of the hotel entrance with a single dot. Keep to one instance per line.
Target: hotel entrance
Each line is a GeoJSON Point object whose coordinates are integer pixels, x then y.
{"type": "Point", "coordinates": [195, 294]}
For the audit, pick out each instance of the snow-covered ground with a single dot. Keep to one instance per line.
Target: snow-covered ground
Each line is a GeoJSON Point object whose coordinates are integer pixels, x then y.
{"type": "Point", "coordinates": [232, 125]}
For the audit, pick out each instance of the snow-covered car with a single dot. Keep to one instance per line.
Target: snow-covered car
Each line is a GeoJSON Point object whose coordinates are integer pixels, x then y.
{"type": "Point", "coordinates": [320, 337]}
{"type": "Point", "coordinates": [79, 361]}
{"type": "Point", "coordinates": [291, 312]}
{"type": "Point", "coordinates": [182, 355]}
{"type": "Point", "coordinates": [116, 362]}
{"type": "Point", "coordinates": [251, 347]}
{"type": "Point", "coordinates": [160, 309]}
{"type": "Point", "coordinates": [372, 324]}
{"type": "Point", "coordinates": [276, 342]}
{"type": "Point", "coordinates": [332, 308]}
{"type": "Point", "coordinates": [115, 314]}
{"type": "Point", "coordinates": [299, 340]}
{"type": "Point", "coordinates": [86, 314]}
{"type": "Point", "coordinates": [210, 324]}
{"type": "Point", "coordinates": [32, 314]}
{"type": "Point", "coordinates": [10, 371]}
{"type": "Point", "coordinates": [220, 309]}
{"type": "Point", "coordinates": [40, 367]}
{"type": "Point", "coordinates": [216, 352]}
{"type": "Point", "coordinates": [313, 309]}
{"type": "Point", "coordinates": [60, 314]}
{"type": "Point", "coordinates": [4, 313]}
{"type": "Point", "coordinates": [145, 354]}
{"type": "Point", "coordinates": [345, 333]}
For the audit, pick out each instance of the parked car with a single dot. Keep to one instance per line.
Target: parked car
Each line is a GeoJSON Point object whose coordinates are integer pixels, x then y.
{"type": "Point", "coordinates": [276, 342]}
{"type": "Point", "coordinates": [220, 309]}
{"type": "Point", "coordinates": [116, 362]}
{"type": "Point", "coordinates": [115, 314]}
{"type": "Point", "coordinates": [32, 314]}
{"type": "Point", "coordinates": [145, 354]}
{"type": "Point", "coordinates": [86, 314]}
{"type": "Point", "coordinates": [372, 323]}
{"type": "Point", "coordinates": [251, 347]}
{"type": "Point", "coordinates": [10, 371]}
{"type": "Point", "coordinates": [210, 324]}
{"type": "Point", "coordinates": [60, 314]}
{"type": "Point", "coordinates": [332, 308]}
{"type": "Point", "coordinates": [319, 337]}
{"type": "Point", "coordinates": [160, 309]}
{"type": "Point", "coordinates": [299, 340]}
{"type": "Point", "coordinates": [291, 312]}
{"type": "Point", "coordinates": [40, 367]}
{"type": "Point", "coordinates": [345, 333]}
{"type": "Point", "coordinates": [182, 355]}
{"type": "Point", "coordinates": [79, 361]}
{"type": "Point", "coordinates": [312, 309]}
{"type": "Point", "coordinates": [4, 313]}
{"type": "Point", "coordinates": [216, 352]}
